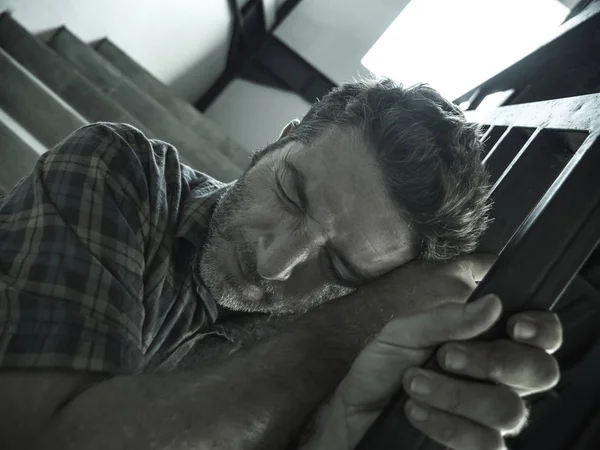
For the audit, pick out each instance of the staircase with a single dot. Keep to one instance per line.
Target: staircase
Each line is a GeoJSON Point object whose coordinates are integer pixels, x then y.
{"type": "Point", "coordinates": [54, 83]}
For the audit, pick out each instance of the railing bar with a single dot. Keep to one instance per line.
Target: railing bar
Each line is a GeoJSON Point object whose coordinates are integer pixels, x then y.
{"type": "Point", "coordinates": [515, 159]}
{"type": "Point", "coordinates": [493, 149]}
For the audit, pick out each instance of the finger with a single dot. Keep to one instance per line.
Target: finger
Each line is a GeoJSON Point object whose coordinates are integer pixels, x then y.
{"type": "Point", "coordinates": [452, 431]}
{"type": "Point", "coordinates": [448, 322]}
{"type": "Point", "coordinates": [540, 329]}
{"type": "Point", "coordinates": [376, 373]}
{"type": "Point", "coordinates": [518, 366]}
{"type": "Point", "coordinates": [491, 405]}
{"type": "Point", "coordinates": [478, 264]}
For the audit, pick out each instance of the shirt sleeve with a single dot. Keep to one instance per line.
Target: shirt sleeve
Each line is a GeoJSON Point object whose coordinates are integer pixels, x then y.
{"type": "Point", "coordinates": [72, 242]}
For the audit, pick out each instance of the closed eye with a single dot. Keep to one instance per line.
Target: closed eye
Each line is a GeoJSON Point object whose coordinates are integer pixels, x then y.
{"type": "Point", "coordinates": [284, 196]}
{"type": "Point", "coordinates": [343, 275]}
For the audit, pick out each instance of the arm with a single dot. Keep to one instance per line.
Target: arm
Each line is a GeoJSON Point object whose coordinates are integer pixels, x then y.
{"type": "Point", "coordinates": [57, 327]}
{"type": "Point", "coordinates": [70, 306]}
{"type": "Point", "coordinates": [461, 414]}
{"type": "Point", "coordinates": [259, 398]}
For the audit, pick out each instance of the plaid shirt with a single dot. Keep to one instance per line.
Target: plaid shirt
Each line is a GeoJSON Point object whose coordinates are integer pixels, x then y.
{"type": "Point", "coordinates": [96, 250]}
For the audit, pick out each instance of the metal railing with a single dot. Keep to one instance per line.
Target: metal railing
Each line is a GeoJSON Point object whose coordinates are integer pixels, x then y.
{"type": "Point", "coordinates": [546, 221]}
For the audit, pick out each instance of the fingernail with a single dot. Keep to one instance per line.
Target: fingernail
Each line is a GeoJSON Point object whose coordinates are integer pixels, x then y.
{"type": "Point", "coordinates": [479, 305]}
{"type": "Point", "coordinates": [420, 385]}
{"type": "Point", "coordinates": [524, 329]}
{"type": "Point", "coordinates": [418, 414]}
{"type": "Point", "coordinates": [456, 359]}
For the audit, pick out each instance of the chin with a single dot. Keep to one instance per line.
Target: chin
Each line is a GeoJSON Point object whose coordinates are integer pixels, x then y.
{"type": "Point", "coordinates": [252, 299]}
{"type": "Point", "coordinates": [248, 299]}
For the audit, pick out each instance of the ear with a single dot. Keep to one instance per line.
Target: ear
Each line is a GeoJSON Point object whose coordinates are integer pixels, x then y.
{"type": "Point", "coordinates": [288, 128]}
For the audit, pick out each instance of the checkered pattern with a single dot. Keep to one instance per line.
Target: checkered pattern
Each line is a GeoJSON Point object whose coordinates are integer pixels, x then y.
{"type": "Point", "coordinates": [96, 250]}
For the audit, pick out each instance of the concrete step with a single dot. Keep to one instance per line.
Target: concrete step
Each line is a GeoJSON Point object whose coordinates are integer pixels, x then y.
{"type": "Point", "coordinates": [17, 158]}
{"type": "Point", "coordinates": [194, 149]}
{"type": "Point", "coordinates": [41, 112]}
{"type": "Point", "coordinates": [60, 76]}
{"type": "Point", "coordinates": [182, 110]}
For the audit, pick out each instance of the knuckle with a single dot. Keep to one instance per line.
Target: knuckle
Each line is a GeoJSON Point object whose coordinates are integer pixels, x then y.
{"type": "Point", "coordinates": [453, 401]}
{"type": "Point", "coordinates": [503, 359]}
{"type": "Point", "coordinates": [498, 363]}
{"type": "Point", "coordinates": [446, 317]}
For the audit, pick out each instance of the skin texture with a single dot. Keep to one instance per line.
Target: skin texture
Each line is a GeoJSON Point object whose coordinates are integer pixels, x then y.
{"type": "Point", "coordinates": [283, 239]}
{"type": "Point", "coordinates": [262, 396]}
{"type": "Point", "coordinates": [461, 415]}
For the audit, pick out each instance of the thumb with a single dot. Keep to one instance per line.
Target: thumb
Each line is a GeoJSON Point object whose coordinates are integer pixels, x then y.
{"type": "Point", "coordinates": [377, 372]}
{"type": "Point", "coordinates": [409, 341]}
{"type": "Point", "coordinates": [448, 322]}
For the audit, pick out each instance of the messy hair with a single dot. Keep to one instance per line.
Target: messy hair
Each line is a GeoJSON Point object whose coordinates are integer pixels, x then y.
{"type": "Point", "coordinates": [429, 157]}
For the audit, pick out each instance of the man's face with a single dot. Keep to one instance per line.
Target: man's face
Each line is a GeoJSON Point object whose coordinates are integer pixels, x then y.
{"type": "Point", "coordinates": [302, 226]}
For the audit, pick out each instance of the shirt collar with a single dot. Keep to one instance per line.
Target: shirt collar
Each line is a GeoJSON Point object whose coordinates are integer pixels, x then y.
{"type": "Point", "coordinates": [197, 210]}
{"type": "Point", "coordinates": [194, 221]}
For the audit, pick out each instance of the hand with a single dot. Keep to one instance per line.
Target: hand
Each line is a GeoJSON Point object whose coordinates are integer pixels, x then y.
{"type": "Point", "coordinates": [461, 414]}
{"type": "Point", "coordinates": [420, 286]}
{"type": "Point", "coordinates": [466, 415]}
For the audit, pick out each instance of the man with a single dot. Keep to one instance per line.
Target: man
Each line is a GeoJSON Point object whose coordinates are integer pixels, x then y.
{"type": "Point", "coordinates": [118, 265]}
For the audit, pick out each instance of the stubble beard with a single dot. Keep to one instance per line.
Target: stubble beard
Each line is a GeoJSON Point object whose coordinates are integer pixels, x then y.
{"type": "Point", "coordinates": [227, 226]}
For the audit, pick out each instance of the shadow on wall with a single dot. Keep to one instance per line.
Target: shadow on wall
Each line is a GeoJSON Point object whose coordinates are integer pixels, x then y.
{"type": "Point", "coordinates": [253, 115]}
{"type": "Point", "coordinates": [195, 79]}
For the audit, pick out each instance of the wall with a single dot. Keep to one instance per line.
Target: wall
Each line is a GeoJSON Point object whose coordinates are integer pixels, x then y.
{"type": "Point", "coordinates": [182, 42]}
{"type": "Point", "coordinates": [569, 3]}
{"type": "Point", "coordinates": [334, 35]}
{"type": "Point", "coordinates": [254, 115]}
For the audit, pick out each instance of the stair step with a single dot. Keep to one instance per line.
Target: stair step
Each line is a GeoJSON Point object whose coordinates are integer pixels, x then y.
{"type": "Point", "coordinates": [41, 112]}
{"type": "Point", "coordinates": [182, 110]}
{"type": "Point", "coordinates": [17, 158]}
{"type": "Point", "coordinates": [194, 149]}
{"type": "Point", "coordinates": [60, 76]}
{"type": "Point", "coordinates": [23, 134]}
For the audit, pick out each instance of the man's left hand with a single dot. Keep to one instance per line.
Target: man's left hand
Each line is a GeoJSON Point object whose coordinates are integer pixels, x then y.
{"type": "Point", "coordinates": [460, 413]}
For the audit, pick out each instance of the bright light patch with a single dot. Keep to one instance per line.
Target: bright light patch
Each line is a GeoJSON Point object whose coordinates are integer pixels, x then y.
{"type": "Point", "coordinates": [494, 100]}
{"type": "Point", "coordinates": [456, 45]}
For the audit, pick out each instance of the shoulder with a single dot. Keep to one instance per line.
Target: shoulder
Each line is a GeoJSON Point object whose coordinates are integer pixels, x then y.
{"type": "Point", "coordinates": [104, 142]}
{"type": "Point", "coordinates": [141, 168]}
{"type": "Point", "coordinates": [116, 169]}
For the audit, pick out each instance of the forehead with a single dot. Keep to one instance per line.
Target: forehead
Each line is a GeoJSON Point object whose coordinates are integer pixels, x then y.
{"type": "Point", "coordinates": [347, 198]}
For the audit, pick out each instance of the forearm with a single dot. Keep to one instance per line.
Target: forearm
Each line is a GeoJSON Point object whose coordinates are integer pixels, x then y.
{"type": "Point", "coordinates": [259, 398]}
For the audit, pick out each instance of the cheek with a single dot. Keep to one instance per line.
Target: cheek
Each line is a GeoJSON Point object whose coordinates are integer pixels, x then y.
{"type": "Point", "coordinates": [248, 209]}
{"type": "Point", "coordinates": [266, 217]}
{"type": "Point", "coordinates": [261, 209]}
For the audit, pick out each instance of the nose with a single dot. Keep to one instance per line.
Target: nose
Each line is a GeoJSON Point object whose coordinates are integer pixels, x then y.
{"type": "Point", "coordinates": [278, 254]}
